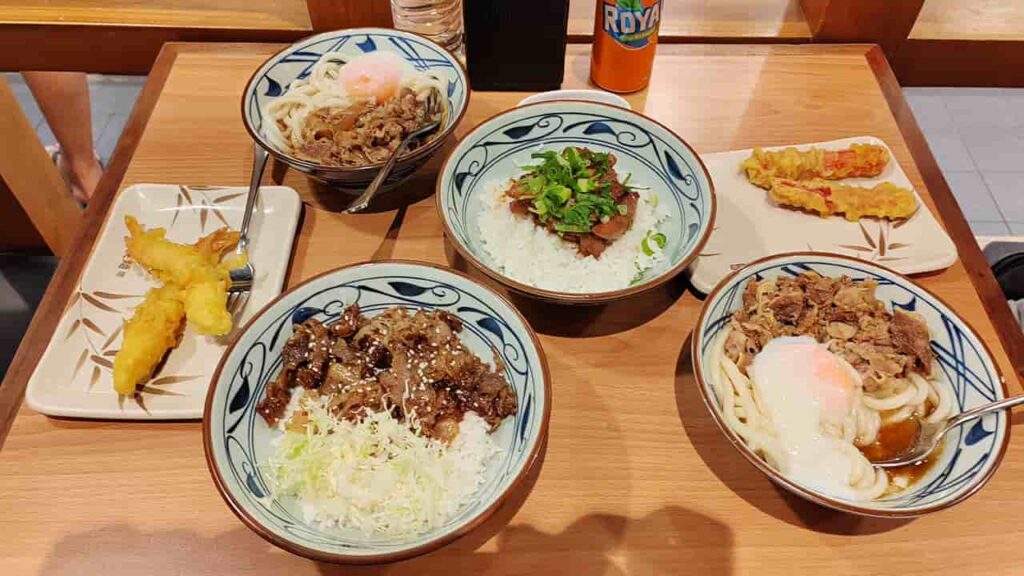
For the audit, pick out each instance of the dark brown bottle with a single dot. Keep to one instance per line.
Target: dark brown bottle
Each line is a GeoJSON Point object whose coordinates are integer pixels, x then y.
{"type": "Point", "coordinates": [516, 45]}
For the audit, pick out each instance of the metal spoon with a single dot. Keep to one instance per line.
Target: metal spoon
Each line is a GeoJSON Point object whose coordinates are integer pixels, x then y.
{"type": "Point", "coordinates": [929, 435]}
{"type": "Point", "coordinates": [433, 116]}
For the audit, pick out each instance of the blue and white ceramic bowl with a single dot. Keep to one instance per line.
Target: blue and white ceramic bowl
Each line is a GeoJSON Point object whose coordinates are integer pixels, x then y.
{"type": "Point", "coordinates": [970, 454]}
{"type": "Point", "coordinates": [296, 62]}
{"type": "Point", "coordinates": [237, 439]}
{"type": "Point", "coordinates": [654, 156]}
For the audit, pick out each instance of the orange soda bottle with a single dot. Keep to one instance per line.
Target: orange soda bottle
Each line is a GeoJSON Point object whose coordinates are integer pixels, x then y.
{"type": "Point", "coordinates": [625, 38]}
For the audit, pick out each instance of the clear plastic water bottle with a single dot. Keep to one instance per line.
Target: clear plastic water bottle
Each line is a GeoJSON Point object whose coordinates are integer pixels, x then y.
{"type": "Point", "coordinates": [438, 20]}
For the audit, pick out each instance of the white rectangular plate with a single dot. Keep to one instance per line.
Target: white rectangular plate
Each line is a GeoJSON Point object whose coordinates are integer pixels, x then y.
{"type": "Point", "coordinates": [74, 376]}
{"type": "Point", "coordinates": [749, 225]}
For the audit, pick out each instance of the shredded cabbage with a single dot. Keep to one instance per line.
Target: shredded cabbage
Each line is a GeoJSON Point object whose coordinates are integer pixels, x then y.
{"type": "Point", "coordinates": [377, 475]}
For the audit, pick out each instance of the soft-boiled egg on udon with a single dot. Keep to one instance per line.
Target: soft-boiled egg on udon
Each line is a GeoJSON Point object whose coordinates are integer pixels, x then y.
{"type": "Point", "coordinates": [376, 75]}
{"type": "Point", "coordinates": [808, 394]}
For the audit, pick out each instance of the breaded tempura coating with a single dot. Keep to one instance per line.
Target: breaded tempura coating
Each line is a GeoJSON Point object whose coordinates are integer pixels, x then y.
{"type": "Point", "coordinates": [854, 202]}
{"type": "Point", "coordinates": [154, 328]}
{"type": "Point", "coordinates": [859, 160]}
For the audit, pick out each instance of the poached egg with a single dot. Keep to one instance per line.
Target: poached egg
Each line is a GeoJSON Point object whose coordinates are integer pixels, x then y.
{"type": "Point", "coordinates": [807, 393]}
{"type": "Point", "coordinates": [374, 76]}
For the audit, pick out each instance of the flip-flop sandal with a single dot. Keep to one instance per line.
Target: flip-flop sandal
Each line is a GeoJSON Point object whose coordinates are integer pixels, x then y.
{"type": "Point", "coordinates": [57, 156]}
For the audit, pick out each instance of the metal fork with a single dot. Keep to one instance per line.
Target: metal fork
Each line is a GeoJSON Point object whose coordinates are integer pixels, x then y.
{"type": "Point", "coordinates": [242, 278]}
{"type": "Point", "coordinates": [432, 108]}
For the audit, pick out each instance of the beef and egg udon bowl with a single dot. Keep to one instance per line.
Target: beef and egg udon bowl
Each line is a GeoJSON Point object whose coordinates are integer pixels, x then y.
{"type": "Point", "coordinates": [815, 365]}
{"type": "Point", "coordinates": [337, 105]}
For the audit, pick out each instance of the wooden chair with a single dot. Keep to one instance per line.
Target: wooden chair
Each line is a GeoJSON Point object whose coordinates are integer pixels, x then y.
{"type": "Point", "coordinates": [36, 208]}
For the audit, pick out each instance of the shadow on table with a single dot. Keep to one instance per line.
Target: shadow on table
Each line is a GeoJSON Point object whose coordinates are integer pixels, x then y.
{"type": "Point", "coordinates": [579, 321]}
{"type": "Point", "coordinates": [662, 542]}
{"type": "Point", "coordinates": [746, 481]}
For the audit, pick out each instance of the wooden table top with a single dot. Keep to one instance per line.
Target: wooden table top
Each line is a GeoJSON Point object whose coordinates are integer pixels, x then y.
{"type": "Point", "coordinates": [636, 478]}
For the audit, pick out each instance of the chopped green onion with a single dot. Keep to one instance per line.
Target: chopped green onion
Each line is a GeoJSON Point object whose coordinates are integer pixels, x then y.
{"type": "Point", "coordinates": [563, 227]}
{"type": "Point", "coordinates": [585, 185]}
{"type": "Point", "coordinates": [658, 238]}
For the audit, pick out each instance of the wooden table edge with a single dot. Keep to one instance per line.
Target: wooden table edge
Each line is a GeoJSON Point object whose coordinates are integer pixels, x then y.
{"type": "Point", "coordinates": [48, 313]}
{"type": "Point", "coordinates": [978, 269]}
{"type": "Point", "coordinates": [50, 309]}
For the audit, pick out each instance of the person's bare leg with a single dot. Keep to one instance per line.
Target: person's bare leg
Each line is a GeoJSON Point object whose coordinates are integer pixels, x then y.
{"type": "Point", "coordinates": [64, 99]}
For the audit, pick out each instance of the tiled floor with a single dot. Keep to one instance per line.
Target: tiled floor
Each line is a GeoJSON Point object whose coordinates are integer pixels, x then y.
{"type": "Point", "coordinates": [112, 98]}
{"type": "Point", "coordinates": [977, 136]}
{"type": "Point", "coordinates": [23, 279]}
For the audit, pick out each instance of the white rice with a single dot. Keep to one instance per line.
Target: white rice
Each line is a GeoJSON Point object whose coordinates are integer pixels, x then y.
{"type": "Point", "coordinates": [530, 254]}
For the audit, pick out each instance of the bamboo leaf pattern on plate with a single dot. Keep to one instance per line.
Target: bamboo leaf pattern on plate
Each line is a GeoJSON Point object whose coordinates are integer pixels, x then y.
{"type": "Point", "coordinates": [97, 303]}
{"type": "Point", "coordinates": [73, 328]}
{"type": "Point", "coordinates": [165, 380]}
{"type": "Point", "coordinates": [92, 326]}
{"type": "Point", "coordinates": [102, 361]}
{"type": "Point", "coordinates": [156, 392]}
{"type": "Point", "coordinates": [898, 245]}
{"type": "Point", "coordinates": [227, 197]}
{"type": "Point", "coordinates": [72, 301]}
{"type": "Point", "coordinates": [81, 362]}
{"type": "Point", "coordinates": [202, 218]}
{"type": "Point", "coordinates": [140, 402]}
{"type": "Point", "coordinates": [110, 353]}
{"type": "Point", "coordinates": [867, 237]}
{"type": "Point", "coordinates": [113, 295]}
{"type": "Point", "coordinates": [95, 377]}
{"type": "Point", "coordinates": [881, 241]}
{"type": "Point", "coordinates": [217, 213]}
{"type": "Point", "coordinates": [110, 339]}
{"type": "Point", "coordinates": [856, 248]}
{"type": "Point", "coordinates": [186, 194]}
{"type": "Point", "coordinates": [177, 210]}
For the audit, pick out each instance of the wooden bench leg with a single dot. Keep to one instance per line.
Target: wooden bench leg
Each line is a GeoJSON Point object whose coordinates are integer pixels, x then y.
{"type": "Point", "coordinates": [28, 176]}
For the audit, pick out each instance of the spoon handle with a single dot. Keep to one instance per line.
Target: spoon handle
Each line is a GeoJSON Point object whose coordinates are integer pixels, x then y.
{"type": "Point", "coordinates": [364, 199]}
{"type": "Point", "coordinates": [984, 409]}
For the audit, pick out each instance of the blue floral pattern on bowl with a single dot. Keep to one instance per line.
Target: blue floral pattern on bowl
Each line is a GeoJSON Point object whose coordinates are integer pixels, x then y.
{"type": "Point", "coordinates": [296, 62]}
{"type": "Point", "coordinates": [238, 440]}
{"type": "Point", "coordinates": [652, 154]}
{"type": "Point", "coordinates": [970, 453]}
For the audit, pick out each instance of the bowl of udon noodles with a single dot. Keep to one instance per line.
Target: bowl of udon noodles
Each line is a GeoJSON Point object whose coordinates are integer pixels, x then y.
{"type": "Point", "coordinates": [814, 365]}
{"type": "Point", "coordinates": [377, 412]}
{"type": "Point", "coordinates": [336, 105]}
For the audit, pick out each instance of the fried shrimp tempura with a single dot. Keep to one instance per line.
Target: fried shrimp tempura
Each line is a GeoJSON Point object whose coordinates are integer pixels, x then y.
{"type": "Point", "coordinates": [854, 202]}
{"type": "Point", "coordinates": [172, 262]}
{"type": "Point", "coordinates": [195, 288]}
{"type": "Point", "coordinates": [859, 160]}
{"type": "Point", "coordinates": [196, 269]}
{"type": "Point", "coordinates": [154, 328]}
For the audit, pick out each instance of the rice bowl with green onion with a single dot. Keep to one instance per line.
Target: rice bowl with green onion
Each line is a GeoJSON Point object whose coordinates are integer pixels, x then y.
{"type": "Point", "coordinates": [532, 255]}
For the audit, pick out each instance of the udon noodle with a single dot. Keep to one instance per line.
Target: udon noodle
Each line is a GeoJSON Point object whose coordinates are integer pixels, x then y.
{"type": "Point", "coordinates": [381, 77]}
{"type": "Point", "coordinates": [889, 400]}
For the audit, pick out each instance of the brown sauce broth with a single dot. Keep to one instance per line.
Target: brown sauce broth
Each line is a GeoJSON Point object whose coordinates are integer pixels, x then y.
{"type": "Point", "coordinates": [893, 440]}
